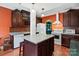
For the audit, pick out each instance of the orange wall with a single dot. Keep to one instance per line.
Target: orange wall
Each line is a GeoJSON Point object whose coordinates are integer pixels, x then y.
{"type": "Point", "coordinates": [53, 18]}
{"type": "Point", "coordinates": [61, 17]}
{"type": "Point", "coordinates": [5, 22]}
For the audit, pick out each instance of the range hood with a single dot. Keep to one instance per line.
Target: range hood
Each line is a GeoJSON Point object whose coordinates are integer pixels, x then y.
{"type": "Point", "coordinates": [57, 19]}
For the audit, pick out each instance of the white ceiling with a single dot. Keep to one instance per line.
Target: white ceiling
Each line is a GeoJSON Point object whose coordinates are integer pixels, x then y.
{"type": "Point", "coordinates": [50, 8]}
{"type": "Point", "coordinates": [38, 6]}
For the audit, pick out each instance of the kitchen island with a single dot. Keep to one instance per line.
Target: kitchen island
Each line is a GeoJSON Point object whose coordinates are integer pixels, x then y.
{"type": "Point", "coordinates": [38, 45]}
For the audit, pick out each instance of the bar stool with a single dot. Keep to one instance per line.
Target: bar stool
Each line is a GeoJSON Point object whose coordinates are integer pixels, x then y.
{"type": "Point", "coordinates": [21, 48]}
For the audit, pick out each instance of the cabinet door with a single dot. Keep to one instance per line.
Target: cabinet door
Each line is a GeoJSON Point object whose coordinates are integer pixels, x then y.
{"type": "Point", "coordinates": [50, 45]}
{"type": "Point", "coordinates": [66, 41]}
{"type": "Point", "coordinates": [17, 19]}
{"type": "Point", "coordinates": [14, 19]}
{"type": "Point", "coordinates": [66, 21]}
{"type": "Point", "coordinates": [42, 48]}
{"type": "Point", "coordinates": [74, 18]}
{"type": "Point", "coordinates": [25, 17]}
{"type": "Point", "coordinates": [30, 49]}
{"type": "Point", "coordinates": [46, 47]}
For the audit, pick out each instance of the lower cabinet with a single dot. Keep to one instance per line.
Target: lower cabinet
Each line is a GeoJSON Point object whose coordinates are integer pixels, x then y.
{"type": "Point", "coordinates": [44, 48]}
{"type": "Point", "coordinates": [66, 39]}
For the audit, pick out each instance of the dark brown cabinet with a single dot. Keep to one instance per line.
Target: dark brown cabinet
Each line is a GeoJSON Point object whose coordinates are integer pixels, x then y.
{"type": "Point", "coordinates": [75, 18]}
{"type": "Point", "coordinates": [20, 18]}
{"type": "Point", "coordinates": [17, 19]}
{"type": "Point", "coordinates": [66, 21]}
{"type": "Point", "coordinates": [25, 17]}
{"type": "Point", "coordinates": [44, 48]}
{"type": "Point", "coordinates": [71, 18]}
{"type": "Point", "coordinates": [41, 46]}
{"type": "Point", "coordinates": [66, 39]}
{"type": "Point", "coordinates": [20, 21]}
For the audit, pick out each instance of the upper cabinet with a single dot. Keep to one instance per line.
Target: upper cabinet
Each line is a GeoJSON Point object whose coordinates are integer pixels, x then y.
{"type": "Point", "coordinates": [25, 17]}
{"type": "Point", "coordinates": [66, 21]}
{"type": "Point", "coordinates": [75, 18]}
{"type": "Point", "coordinates": [20, 21]}
{"type": "Point", "coordinates": [20, 18]}
{"type": "Point", "coordinates": [71, 18]}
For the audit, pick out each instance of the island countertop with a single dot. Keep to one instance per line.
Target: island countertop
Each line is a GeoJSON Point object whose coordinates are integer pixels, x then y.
{"type": "Point", "coordinates": [37, 38]}
{"type": "Point", "coordinates": [19, 33]}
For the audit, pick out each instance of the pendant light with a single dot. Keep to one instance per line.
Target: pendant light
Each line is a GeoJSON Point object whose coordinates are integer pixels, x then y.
{"type": "Point", "coordinates": [42, 15]}
{"type": "Point", "coordinates": [33, 7]}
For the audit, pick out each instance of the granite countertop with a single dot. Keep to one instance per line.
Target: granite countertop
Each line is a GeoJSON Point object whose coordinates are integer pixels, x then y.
{"type": "Point", "coordinates": [71, 34]}
{"type": "Point", "coordinates": [37, 38]}
{"type": "Point", "coordinates": [19, 33]}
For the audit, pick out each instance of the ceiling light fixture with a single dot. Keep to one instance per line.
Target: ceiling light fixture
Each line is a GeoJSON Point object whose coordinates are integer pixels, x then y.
{"type": "Point", "coordinates": [33, 7]}
{"type": "Point", "coordinates": [42, 15]}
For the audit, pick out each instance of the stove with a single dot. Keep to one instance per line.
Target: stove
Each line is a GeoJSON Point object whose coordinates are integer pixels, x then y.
{"type": "Point", "coordinates": [57, 38]}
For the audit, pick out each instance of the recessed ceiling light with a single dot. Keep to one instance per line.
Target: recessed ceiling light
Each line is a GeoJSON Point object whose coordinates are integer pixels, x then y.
{"type": "Point", "coordinates": [33, 3]}
{"type": "Point", "coordinates": [42, 8]}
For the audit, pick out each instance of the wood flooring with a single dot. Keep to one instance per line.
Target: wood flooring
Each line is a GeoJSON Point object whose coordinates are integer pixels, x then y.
{"type": "Point", "coordinates": [58, 51]}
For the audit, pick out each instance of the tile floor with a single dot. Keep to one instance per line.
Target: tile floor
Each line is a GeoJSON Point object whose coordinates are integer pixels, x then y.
{"type": "Point", "coordinates": [58, 51]}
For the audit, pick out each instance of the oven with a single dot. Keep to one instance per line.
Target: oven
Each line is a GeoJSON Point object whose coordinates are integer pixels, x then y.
{"type": "Point", "coordinates": [57, 36]}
